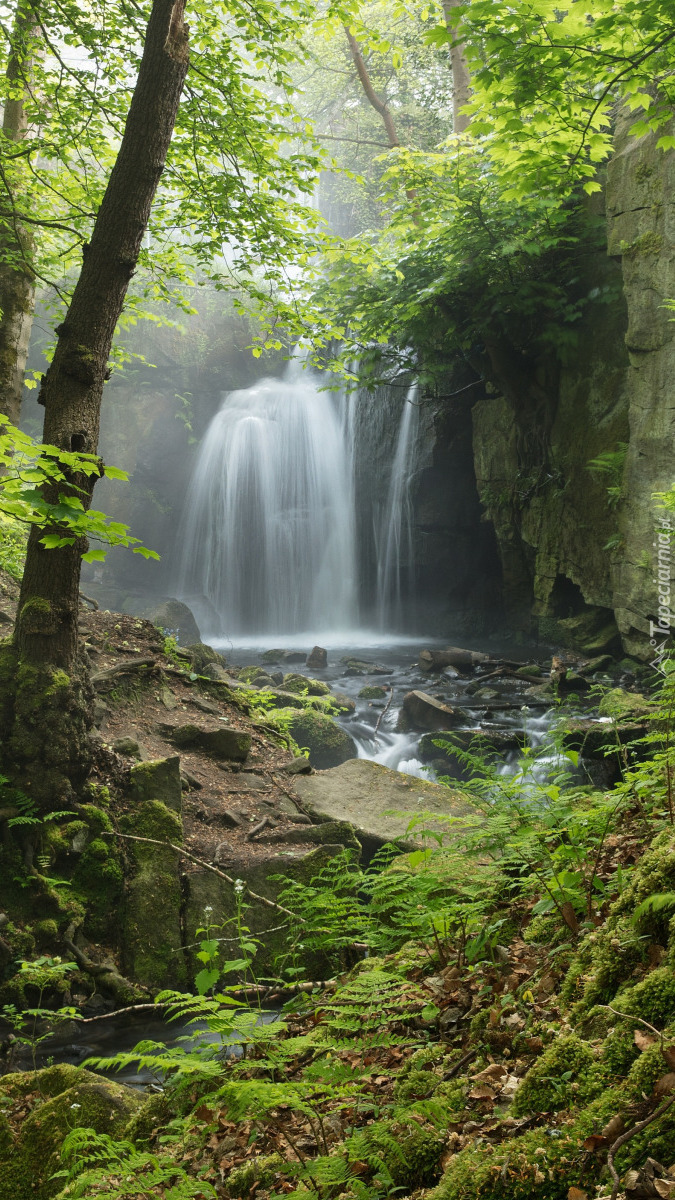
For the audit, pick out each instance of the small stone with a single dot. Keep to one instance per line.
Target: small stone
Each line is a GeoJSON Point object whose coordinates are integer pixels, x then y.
{"type": "Point", "coordinates": [294, 656]}
{"type": "Point", "coordinates": [127, 746]}
{"type": "Point", "coordinates": [206, 706]}
{"type": "Point", "coordinates": [299, 766]}
{"type": "Point", "coordinates": [168, 699]}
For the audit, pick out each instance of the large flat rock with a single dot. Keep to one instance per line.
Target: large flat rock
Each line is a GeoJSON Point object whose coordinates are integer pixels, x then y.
{"type": "Point", "coordinates": [364, 793]}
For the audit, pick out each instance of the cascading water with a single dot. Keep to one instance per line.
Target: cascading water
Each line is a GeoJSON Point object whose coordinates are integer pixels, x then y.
{"type": "Point", "coordinates": [268, 530]}
{"type": "Point", "coordinates": [394, 544]}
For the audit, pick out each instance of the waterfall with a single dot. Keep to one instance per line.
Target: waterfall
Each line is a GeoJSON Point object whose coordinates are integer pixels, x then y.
{"type": "Point", "coordinates": [268, 529]}
{"type": "Point", "coordinates": [394, 543]}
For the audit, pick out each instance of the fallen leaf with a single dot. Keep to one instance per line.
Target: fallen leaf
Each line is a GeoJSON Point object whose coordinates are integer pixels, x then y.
{"type": "Point", "coordinates": [569, 917]}
{"type": "Point", "coordinates": [665, 1187]}
{"type": "Point", "coordinates": [665, 1085]}
{"type": "Point", "coordinates": [595, 1141]}
{"type": "Point", "coordinates": [643, 1040]}
{"type": "Point", "coordinates": [482, 1092]}
{"type": "Point", "coordinates": [613, 1128]}
{"type": "Point", "coordinates": [575, 1193]}
{"type": "Point", "coordinates": [494, 1071]}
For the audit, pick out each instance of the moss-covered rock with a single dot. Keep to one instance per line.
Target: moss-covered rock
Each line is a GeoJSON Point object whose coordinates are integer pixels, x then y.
{"type": "Point", "coordinates": [158, 779]}
{"type": "Point", "coordinates": [551, 1083]}
{"type": "Point", "coordinates": [302, 684]}
{"type": "Point", "coordinates": [262, 1171]}
{"type": "Point", "coordinates": [621, 705]}
{"type": "Point", "coordinates": [373, 692]}
{"type": "Point", "coordinates": [151, 926]}
{"type": "Point", "coordinates": [328, 744]}
{"type": "Point", "coordinates": [409, 1149]}
{"type": "Point", "coordinates": [61, 1099]}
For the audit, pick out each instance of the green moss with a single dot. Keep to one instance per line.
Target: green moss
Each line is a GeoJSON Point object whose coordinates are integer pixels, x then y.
{"type": "Point", "coordinates": [261, 1171]}
{"type": "Point", "coordinates": [303, 684]}
{"type": "Point", "coordinates": [550, 1084]}
{"type": "Point", "coordinates": [411, 1152]}
{"type": "Point", "coordinates": [373, 692]}
{"type": "Point", "coordinates": [416, 1085]}
{"type": "Point", "coordinates": [328, 744]}
{"type": "Point", "coordinates": [541, 1165]}
{"type": "Point", "coordinates": [151, 928]}
{"type": "Point", "coordinates": [645, 1071]}
{"type": "Point", "coordinates": [155, 1112]}
{"type": "Point", "coordinates": [67, 1097]}
{"type": "Point", "coordinates": [653, 998]}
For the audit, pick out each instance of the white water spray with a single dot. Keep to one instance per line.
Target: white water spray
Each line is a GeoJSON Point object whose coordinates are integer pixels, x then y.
{"type": "Point", "coordinates": [268, 529]}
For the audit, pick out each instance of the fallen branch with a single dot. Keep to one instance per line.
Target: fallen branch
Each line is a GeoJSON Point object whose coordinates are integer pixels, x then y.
{"type": "Point", "coordinates": [107, 978]}
{"type": "Point", "coordinates": [89, 600]}
{"type": "Point", "coordinates": [289, 795]}
{"type": "Point", "coordinates": [253, 833]}
{"type": "Point", "coordinates": [462, 1062]}
{"type": "Point", "coordinates": [626, 1137]}
{"type": "Point", "coordinates": [131, 837]}
{"type": "Point", "coordinates": [384, 710]}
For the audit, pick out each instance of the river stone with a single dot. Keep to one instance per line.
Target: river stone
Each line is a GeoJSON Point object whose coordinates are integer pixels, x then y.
{"type": "Point", "coordinates": [500, 740]}
{"type": "Point", "coordinates": [273, 656]}
{"type": "Point", "coordinates": [62, 1097]}
{"type": "Point", "coordinates": [174, 618]}
{"type": "Point", "coordinates": [422, 711]}
{"type": "Point", "coordinates": [373, 692]}
{"type": "Point", "coordinates": [317, 658]}
{"type": "Point", "coordinates": [217, 741]}
{"type": "Point", "coordinates": [158, 779]}
{"type": "Point", "coordinates": [342, 702]}
{"type": "Point", "coordinates": [363, 793]}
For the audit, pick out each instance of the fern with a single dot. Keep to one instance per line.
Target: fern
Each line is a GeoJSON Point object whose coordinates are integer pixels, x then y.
{"type": "Point", "coordinates": [97, 1165]}
{"type": "Point", "coordinates": [654, 904]}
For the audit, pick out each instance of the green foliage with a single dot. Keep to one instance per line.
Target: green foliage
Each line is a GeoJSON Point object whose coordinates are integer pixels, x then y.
{"type": "Point", "coordinates": [610, 464]}
{"type": "Point", "coordinates": [96, 1164]}
{"type": "Point", "coordinates": [39, 487]}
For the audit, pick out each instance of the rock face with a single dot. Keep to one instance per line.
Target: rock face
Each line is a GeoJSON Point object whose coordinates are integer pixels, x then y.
{"type": "Point", "coordinates": [640, 210]}
{"type": "Point", "coordinates": [363, 792]}
{"type": "Point", "coordinates": [66, 1096]}
{"type": "Point", "coordinates": [206, 890]}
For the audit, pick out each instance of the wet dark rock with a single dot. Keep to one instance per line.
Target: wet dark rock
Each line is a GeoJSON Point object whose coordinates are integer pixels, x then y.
{"type": "Point", "coordinates": [317, 658]}
{"type": "Point", "coordinates": [422, 711]}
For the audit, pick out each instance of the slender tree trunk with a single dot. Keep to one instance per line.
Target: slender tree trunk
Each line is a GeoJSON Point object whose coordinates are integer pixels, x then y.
{"type": "Point", "coordinates": [17, 281]}
{"type": "Point", "coordinates": [46, 628]}
{"type": "Point", "coordinates": [371, 95]}
{"type": "Point", "coordinates": [461, 79]}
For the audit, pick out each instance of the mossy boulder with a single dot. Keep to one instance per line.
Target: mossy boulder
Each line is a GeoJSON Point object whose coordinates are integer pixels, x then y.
{"type": "Point", "coordinates": [549, 1085]}
{"type": "Point", "coordinates": [303, 684]}
{"type": "Point", "coordinates": [60, 1098]}
{"type": "Point", "coordinates": [201, 655]}
{"type": "Point", "coordinates": [261, 1172]}
{"type": "Point", "coordinates": [622, 706]}
{"type": "Point", "coordinates": [158, 779]}
{"type": "Point", "coordinates": [151, 924]}
{"type": "Point", "coordinates": [409, 1149]}
{"type": "Point", "coordinates": [328, 744]}
{"type": "Point", "coordinates": [372, 691]}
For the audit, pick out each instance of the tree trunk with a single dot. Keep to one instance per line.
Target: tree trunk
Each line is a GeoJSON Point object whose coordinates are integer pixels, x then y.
{"type": "Point", "coordinates": [46, 628]}
{"type": "Point", "coordinates": [371, 95]}
{"type": "Point", "coordinates": [461, 79]}
{"type": "Point", "coordinates": [17, 281]}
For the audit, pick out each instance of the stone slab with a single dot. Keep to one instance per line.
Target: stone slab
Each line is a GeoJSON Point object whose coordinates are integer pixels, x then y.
{"type": "Point", "coordinates": [363, 793]}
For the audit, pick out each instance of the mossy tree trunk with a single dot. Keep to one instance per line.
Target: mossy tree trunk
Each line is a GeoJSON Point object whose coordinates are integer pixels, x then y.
{"type": "Point", "coordinates": [43, 689]}
{"type": "Point", "coordinates": [72, 388]}
{"type": "Point", "coordinates": [17, 280]}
